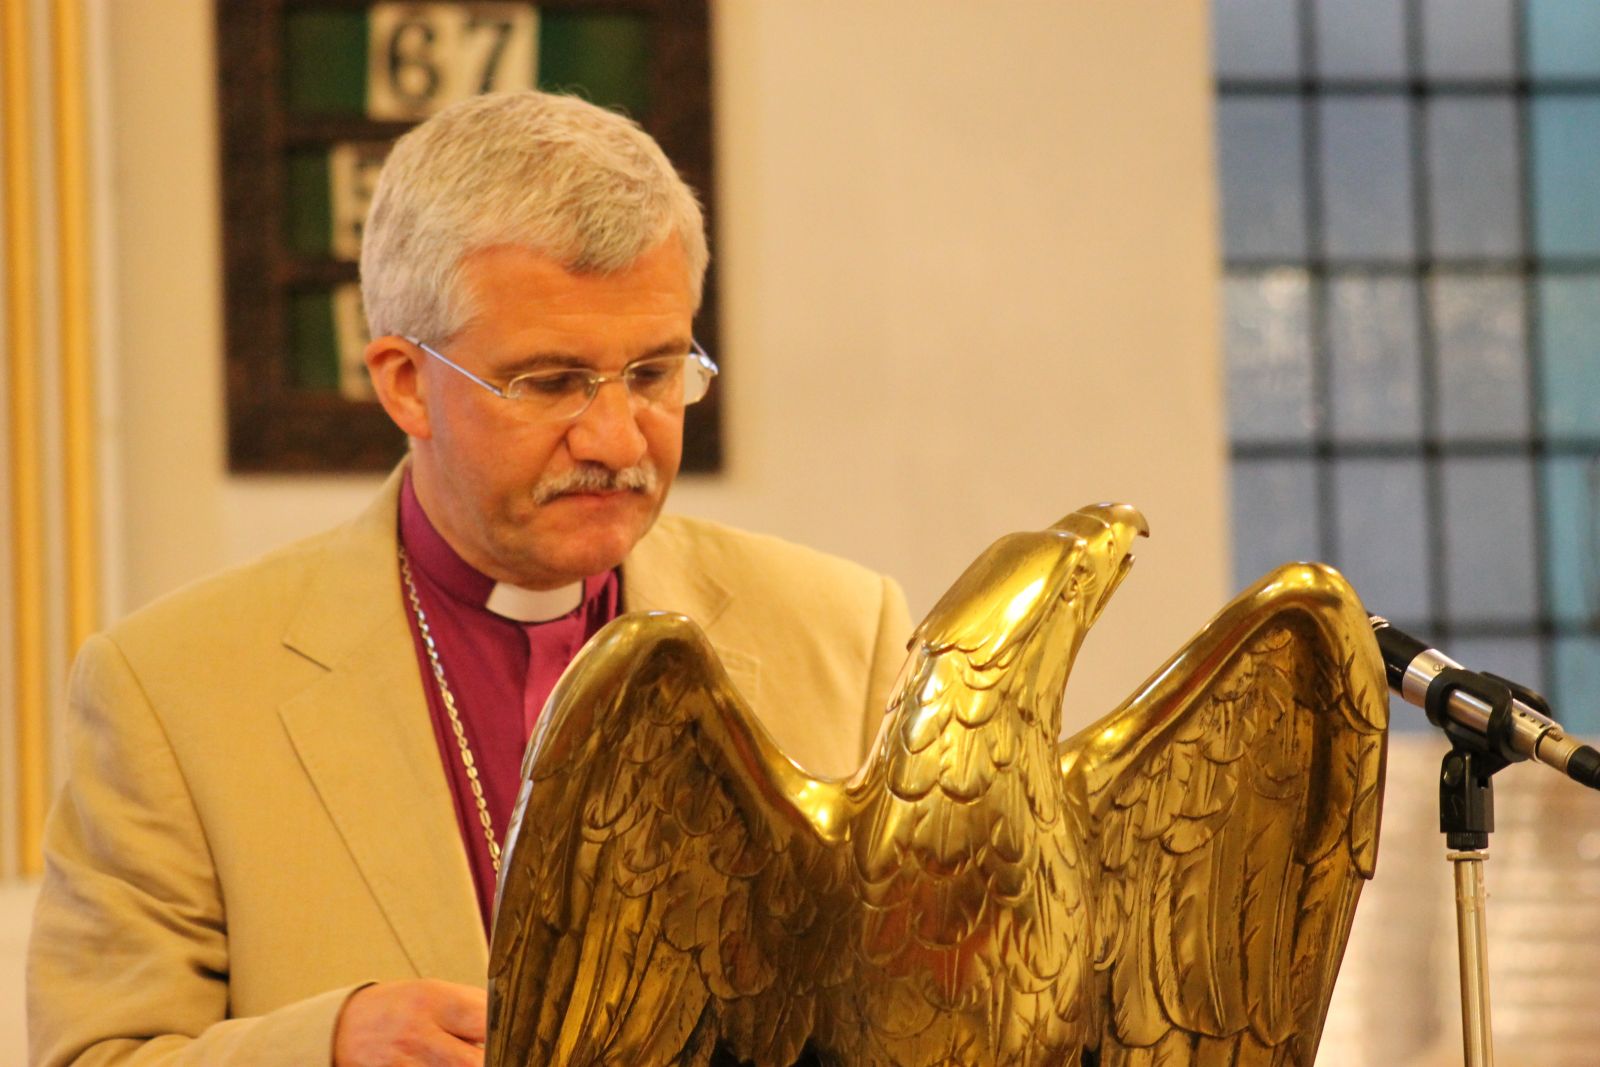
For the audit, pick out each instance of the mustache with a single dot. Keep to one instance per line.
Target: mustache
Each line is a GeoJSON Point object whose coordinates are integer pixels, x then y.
{"type": "Point", "coordinates": [596, 478]}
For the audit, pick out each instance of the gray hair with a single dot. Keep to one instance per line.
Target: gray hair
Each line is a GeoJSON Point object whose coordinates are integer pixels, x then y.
{"type": "Point", "coordinates": [556, 174]}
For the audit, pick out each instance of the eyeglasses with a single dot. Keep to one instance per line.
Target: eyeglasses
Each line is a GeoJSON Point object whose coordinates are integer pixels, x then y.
{"type": "Point", "coordinates": [668, 383]}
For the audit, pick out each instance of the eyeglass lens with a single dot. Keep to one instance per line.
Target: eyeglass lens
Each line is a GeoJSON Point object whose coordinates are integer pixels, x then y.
{"type": "Point", "coordinates": [663, 381]}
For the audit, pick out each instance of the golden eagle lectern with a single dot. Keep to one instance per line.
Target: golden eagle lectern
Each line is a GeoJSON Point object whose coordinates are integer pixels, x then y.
{"type": "Point", "coordinates": [1174, 885]}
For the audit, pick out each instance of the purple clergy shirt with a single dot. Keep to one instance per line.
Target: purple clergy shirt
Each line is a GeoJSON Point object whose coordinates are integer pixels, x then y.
{"type": "Point", "coordinates": [500, 672]}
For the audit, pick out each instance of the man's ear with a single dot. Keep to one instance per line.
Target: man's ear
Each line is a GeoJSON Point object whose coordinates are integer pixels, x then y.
{"type": "Point", "coordinates": [395, 366]}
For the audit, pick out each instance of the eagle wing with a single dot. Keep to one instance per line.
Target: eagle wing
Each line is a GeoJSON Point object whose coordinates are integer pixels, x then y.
{"type": "Point", "coordinates": [1232, 809]}
{"type": "Point", "coordinates": [659, 832]}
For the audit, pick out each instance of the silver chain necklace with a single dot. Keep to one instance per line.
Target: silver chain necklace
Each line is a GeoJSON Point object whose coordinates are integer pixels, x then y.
{"type": "Point", "coordinates": [450, 709]}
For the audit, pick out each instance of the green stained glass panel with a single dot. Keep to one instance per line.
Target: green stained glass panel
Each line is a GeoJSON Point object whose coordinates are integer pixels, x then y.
{"type": "Point", "coordinates": [325, 62]}
{"type": "Point", "coordinates": [313, 341]}
{"type": "Point", "coordinates": [308, 205]}
{"type": "Point", "coordinates": [602, 56]}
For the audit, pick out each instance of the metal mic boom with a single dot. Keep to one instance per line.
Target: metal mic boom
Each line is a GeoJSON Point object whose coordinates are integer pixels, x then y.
{"type": "Point", "coordinates": [1496, 712]}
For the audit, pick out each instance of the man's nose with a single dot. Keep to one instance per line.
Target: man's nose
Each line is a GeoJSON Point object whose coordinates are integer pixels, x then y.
{"type": "Point", "coordinates": [608, 430]}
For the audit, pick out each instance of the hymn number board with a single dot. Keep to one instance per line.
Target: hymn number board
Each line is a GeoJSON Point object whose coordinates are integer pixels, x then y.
{"type": "Point", "coordinates": [313, 94]}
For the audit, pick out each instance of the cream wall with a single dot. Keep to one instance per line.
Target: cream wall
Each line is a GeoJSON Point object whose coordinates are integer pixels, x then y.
{"type": "Point", "coordinates": [968, 265]}
{"type": "Point", "coordinates": [970, 271]}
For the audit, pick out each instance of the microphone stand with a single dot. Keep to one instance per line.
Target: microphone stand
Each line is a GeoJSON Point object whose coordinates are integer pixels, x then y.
{"type": "Point", "coordinates": [1466, 818]}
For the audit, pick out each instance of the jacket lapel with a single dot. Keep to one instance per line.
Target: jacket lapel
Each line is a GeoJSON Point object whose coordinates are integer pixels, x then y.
{"type": "Point", "coordinates": [664, 572]}
{"type": "Point", "coordinates": [364, 736]}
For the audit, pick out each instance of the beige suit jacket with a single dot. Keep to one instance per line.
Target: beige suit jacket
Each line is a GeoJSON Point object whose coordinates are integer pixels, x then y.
{"type": "Point", "coordinates": [256, 819]}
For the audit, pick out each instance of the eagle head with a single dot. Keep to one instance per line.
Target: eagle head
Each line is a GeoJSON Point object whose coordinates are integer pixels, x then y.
{"type": "Point", "coordinates": [1036, 591]}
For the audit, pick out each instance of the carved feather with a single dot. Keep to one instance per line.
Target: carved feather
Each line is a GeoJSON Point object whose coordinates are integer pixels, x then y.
{"type": "Point", "coordinates": [1232, 806]}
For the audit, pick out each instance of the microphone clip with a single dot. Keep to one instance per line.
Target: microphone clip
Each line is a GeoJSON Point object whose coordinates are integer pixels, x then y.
{"type": "Point", "coordinates": [1466, 792]}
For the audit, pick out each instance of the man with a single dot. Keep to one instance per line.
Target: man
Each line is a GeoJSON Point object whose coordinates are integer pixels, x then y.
{"type": "Point", "coordinates": [288, 784]}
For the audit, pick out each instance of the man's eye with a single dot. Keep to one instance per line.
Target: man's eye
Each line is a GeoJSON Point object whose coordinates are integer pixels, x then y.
{"type": "Point", "coordinates": [553, 383]}
{"type": "Point", "coordinates": [648, 373]}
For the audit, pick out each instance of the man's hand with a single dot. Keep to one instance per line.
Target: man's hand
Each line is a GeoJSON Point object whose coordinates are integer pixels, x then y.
{"type": "Point", "coordinates": [398, 1024]}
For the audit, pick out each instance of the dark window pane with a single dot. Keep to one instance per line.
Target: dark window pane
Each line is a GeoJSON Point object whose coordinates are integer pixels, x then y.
{"type": "Point", "coordinates": [1269, 356]}
{"type": "Point", "coordinates": [1360, 39]}
{"type": "Point", "coordinates": [1263, 186]}
{"type": "Point", "coordinates": [1569, 335]}
{"type": "Point", "coordinates": [1366, 178]}
{"type": "Point", "coordinates": [1274, 516]}
{"type": "Point", "coordinates": [1482, 377]}
{"type": "Point", "coordinates": [1473, 177]}
{"type": "Point", "coordinates": [1256, 38]}
{"type": "Point", "coordinates": [1488, 541]}
{"type": "Point", "coordinates": [1566, 175]}
{"type": "Point", "coordinates": [1571, 529]}
{"type": "Point", "coordinates": [1374, 370]}
{"type": "Point", "coordinates": [1468, 39]}
{"type": "Point", "coordinates": [1382, 540]}
{"type": "Point", "coordinates": [1563, 39]}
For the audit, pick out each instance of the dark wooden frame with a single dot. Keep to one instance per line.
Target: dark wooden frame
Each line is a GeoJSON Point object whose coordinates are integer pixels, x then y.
{"type": "Point", "coordinates": [272, 426]}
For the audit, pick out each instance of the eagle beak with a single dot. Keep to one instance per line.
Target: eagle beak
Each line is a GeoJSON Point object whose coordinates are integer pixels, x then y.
{"type": "Point", "coordinates": [1106, 533]}
{"type": "Point", "coordinates": [1016, 584]}
{"type": "Point", "coordinates": [1123, 521]}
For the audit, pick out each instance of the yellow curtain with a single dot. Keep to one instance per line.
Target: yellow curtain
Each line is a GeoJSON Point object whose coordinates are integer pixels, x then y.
{"type": "Point", "coordinates": [50, 520]}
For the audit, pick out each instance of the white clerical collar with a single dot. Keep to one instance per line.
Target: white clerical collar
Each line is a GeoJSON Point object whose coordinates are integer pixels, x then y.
{"type": "Point", "coordinates": [533, 605]}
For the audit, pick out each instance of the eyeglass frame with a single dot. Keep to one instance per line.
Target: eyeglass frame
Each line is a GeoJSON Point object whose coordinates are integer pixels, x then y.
{"type": "Point", "coordinates": [595, 378]}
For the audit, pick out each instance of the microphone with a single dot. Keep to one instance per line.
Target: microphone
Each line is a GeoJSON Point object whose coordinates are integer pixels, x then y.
{"type": "Point", "coordinates": [1495, 713]}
